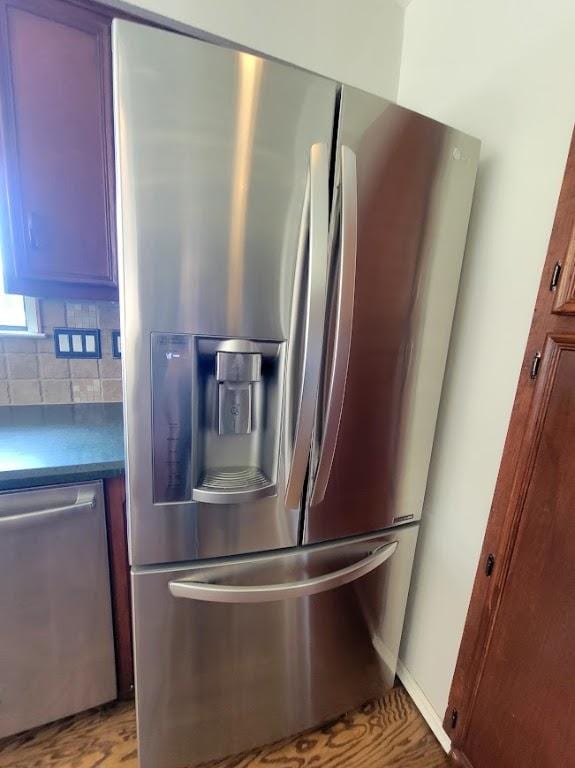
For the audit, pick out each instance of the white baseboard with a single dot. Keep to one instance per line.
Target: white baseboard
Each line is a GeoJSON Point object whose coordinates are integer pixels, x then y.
{"type": "Point", "coordinates": [424, 706]}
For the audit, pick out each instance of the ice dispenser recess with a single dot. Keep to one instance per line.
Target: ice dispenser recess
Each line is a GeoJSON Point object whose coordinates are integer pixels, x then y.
{"type": "Point", "coordinates": [233, 389]}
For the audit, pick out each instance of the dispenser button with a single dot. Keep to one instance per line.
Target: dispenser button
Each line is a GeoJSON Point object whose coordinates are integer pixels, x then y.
{"type": "Point", "coordinates": [234, 408]}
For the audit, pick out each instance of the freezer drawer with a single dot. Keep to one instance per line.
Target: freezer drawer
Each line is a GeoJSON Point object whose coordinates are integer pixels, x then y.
{"type": "Point", "coordinates": [56, 640]}
{"type": "Point", "coordinates": [243, 652]}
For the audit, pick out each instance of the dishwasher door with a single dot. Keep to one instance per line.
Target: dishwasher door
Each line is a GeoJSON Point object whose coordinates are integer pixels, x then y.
{"type": "Point", "coordinates": [240, 653]}
{"type": "Point", "coordinates": [56, 637]}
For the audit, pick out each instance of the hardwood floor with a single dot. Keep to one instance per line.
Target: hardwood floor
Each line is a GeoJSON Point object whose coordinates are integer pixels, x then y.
{"type": "Point", "coordinates": [387, 733]}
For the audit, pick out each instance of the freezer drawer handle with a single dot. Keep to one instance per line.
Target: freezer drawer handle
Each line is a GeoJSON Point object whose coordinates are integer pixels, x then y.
{"type": "Point", "coordinates": [315, 314]}
{"type": "Point", "coordinates": [226, 593]}
{"type": "Point", "coordinates": [344, 323]}
{"type": "Point", "coordinates": [42, 515]}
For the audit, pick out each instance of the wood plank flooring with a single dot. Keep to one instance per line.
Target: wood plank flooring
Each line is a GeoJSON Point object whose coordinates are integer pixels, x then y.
{"type": "Point", "coordinates": [387, 733]}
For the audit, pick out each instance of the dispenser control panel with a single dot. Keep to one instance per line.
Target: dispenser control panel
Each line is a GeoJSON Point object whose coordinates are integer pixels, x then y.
{"type": "Point", "coordinates": [172, 417]}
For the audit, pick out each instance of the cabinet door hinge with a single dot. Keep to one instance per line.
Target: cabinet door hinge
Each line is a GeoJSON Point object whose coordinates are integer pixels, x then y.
{"type": "Point", "coordinates": [489, 564]}
{"type": "Point", "coordinates": [555, 276]}
{"type": "Point", "coordinates": [535, 365]}
{"type": "Point", "coordinates": [454, 716]}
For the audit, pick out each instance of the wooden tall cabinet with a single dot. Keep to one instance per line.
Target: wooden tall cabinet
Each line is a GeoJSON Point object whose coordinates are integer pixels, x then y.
{"type": "Point", "coordinates": [512, 702]}
{"type": "Point", "coordinates": [57, 149]}
{"type": "Point", "coordinates": [116, 523]}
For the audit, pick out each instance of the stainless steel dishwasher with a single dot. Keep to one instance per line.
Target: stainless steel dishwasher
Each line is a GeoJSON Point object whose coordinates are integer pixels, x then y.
{"type": "Point", "coordinates": [56, 637]}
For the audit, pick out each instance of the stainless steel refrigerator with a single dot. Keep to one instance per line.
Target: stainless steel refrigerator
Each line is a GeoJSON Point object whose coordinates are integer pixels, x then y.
{"type": "Point", "coordinates": [290, 256]}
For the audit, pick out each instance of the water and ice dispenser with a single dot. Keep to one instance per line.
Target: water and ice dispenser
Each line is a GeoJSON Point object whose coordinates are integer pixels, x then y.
{"type": "Point", "coordinates": [216, 416]}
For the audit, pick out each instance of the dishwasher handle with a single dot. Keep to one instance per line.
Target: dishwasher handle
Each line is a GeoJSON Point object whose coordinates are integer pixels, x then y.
{"type": "Point", "coordinates": [228, 593]}
{"type": "Point", "coordinates": [21, 519]}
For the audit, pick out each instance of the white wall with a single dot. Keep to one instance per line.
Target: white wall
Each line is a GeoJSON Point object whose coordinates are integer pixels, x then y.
{"type": "Point", "coordinates": [356, 42]}
{"type": "Point", "coordinates": [504, 71]}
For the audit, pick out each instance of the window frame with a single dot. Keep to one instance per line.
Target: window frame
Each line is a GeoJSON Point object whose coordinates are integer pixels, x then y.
{"type": "Point", "coordinates": [32, 315]}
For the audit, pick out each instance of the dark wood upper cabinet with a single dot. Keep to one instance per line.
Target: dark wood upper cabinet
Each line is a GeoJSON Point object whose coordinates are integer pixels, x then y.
{"type": "Point", "coordinates": [56, 107]}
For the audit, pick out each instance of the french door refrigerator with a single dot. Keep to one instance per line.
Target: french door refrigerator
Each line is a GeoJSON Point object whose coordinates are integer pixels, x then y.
{"type": "Point", "coordinates": [290, 254]}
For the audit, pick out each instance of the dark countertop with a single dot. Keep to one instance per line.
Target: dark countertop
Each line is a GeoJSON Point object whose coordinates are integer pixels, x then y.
{"type": "Point", "coordinates": [48, 444]}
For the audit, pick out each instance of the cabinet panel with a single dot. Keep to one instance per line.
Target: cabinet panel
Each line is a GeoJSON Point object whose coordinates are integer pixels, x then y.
{"type": "Point", "coordinates": [525, 699]}
{"type": "Point", "coordinates": [57, 130]}
{"type": "Point", "coordinates": [508, 697]}
{"type": "Point", "coordinates": [115, 492]}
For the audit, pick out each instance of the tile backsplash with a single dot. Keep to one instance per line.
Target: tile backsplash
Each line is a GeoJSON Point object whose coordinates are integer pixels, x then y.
{"type": "Point", "coordinates": [30, 372]}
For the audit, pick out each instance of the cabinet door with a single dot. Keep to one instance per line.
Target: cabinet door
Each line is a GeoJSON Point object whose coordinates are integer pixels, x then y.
{"type": "Point", "coordinates": [525, 707]}
{"type": "Point", "coordinates": [58, 147]}
{"type": "Point", "coordinates": [56, 637]}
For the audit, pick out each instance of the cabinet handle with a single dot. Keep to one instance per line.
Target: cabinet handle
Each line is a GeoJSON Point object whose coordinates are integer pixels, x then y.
{"type": "Point", "coordinates": [32, 231]}
{"type": "Point", "coordinates": [21, 519]}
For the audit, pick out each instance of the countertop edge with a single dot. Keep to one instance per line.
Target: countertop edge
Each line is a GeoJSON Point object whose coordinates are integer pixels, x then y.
{"type": "Point", "coordinates": [19, 479]}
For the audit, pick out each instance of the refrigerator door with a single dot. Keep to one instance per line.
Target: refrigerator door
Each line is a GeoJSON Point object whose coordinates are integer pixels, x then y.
{"type": "Point", "coordinates": [223, 206]}
{"type": "Point", "coordinates": [402, 204]}
{"type": "Point", "coordinates": [241, 653]}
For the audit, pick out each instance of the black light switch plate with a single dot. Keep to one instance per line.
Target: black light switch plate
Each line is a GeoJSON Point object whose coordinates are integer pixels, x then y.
{"type": "Point", "coordinates": [116, 344]}
{"type": "Point", "coordinates": [77, 343]}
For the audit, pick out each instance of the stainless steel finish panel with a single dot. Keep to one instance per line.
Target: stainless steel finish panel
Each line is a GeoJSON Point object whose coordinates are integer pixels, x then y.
{"type": "Point", "coordinates": [217, 678]}
{"type": "Point", "coordinates": [213, 151]}
{"type": "Point", "coordinates": [415, 180]}
{"type": "Point", "coordinates": [56, 639]}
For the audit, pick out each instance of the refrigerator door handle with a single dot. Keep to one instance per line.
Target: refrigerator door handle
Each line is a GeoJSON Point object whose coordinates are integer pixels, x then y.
{"type": "Point", "coordinates": [344, 323]}
{"type": "Point", "coordinates": [314, 325]}
{"type": "Point", "coordinates": [264, 593]}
